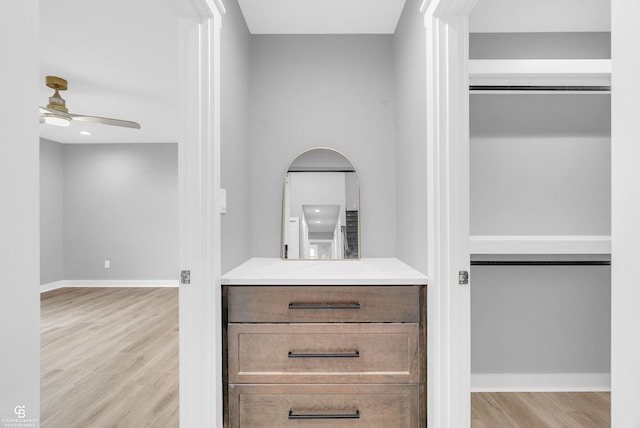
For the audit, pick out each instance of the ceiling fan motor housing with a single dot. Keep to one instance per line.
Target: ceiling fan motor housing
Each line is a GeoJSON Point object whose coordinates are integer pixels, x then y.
{"type": "Point", "coordinates": [56, 102]}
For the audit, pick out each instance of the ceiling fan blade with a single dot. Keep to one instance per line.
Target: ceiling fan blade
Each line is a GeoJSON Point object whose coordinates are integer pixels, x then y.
{"type": "Point", "coordinates": [94, 119]}
{"type": "Point", "coordinates": [105, 121]}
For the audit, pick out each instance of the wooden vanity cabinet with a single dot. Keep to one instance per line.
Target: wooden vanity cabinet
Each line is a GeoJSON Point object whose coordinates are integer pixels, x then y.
{"type": "Point", "coordinates": [324, 356]}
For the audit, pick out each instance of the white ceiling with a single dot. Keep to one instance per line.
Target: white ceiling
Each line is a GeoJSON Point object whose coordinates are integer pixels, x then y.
{"type": "Point", "coordinates": [322, 16]}
{"type": "Point", "coordinates": [121, 56]}
{"type": "Point", "coordinates": [120, 60]}
{"type": "Point", "coordinates": [515, 16]}
{"type": "Point", "coordinates": [321, 218]}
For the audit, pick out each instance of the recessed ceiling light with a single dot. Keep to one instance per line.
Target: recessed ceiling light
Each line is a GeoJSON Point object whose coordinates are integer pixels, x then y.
{"type": "Point", "coordinates": [316, 210]}
{"type": "Point", "coordinates": [318, 222]}
{"type": "Point", "coordinates": [85, 132]}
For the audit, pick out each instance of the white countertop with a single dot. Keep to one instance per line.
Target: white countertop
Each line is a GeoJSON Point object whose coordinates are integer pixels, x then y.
{"type": "Point", "coordinates": [268, 271]}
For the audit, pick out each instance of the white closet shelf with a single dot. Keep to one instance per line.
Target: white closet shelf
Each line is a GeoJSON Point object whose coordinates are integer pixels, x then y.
{"type": "Point", "coordinates": [540, 244]}
{"type": "Point", "coordinates": [540, 72]}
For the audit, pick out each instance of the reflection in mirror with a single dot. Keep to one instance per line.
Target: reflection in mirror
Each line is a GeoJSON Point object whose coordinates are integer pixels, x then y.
{"type": "Point", "coordinates": [321, 203]}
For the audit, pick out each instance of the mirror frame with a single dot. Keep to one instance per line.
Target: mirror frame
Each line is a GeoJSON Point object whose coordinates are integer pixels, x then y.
{"type": "Point", "coordinates": [284, 189]}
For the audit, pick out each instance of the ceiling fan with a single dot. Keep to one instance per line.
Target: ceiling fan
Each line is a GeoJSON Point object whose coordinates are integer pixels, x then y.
{"type": "Point", "coordinates": [56, 112]}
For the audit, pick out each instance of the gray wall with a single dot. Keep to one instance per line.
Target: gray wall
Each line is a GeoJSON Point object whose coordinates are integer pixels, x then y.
{"type": "Point", "coordinates": [19, 231]}
{"type": "Point", "coordinates": [335, 91]}
{"type": "Point", "coordinates": [51, 211]}
{"type": "Point", "coordinates": [540, 45]}
{"type": "Point", "coordinates": [317, 188]}
{"type": "Point", "coordinates": [409, 50]}
{"type": "Point", "coordinates": [540, 164]}
{"type": "Point", "coordinates": [121, 204]}
{"type": "Point", "coordinates": [540, 319]}
{"type": "Point", "coordinates": [235, 144]}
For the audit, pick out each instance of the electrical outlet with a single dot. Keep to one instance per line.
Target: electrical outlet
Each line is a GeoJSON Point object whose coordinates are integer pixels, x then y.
{"type": "Point", "coordinates": [107, 264]}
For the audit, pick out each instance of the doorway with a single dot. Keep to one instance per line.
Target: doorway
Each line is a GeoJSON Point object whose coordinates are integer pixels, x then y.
{"type": "Point", "coordinates": [109, 209]}
{"type": "Point", "coordinates": [449, 137]}
{"type": "Point", "coordinates": [449, 59]}
{"type": "Point", "coordinates": [541, 303]}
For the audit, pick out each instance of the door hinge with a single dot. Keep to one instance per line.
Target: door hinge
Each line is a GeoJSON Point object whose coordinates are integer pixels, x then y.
{"type": "Point", "coordinates": [185, 277]}
{"type": "Point", "coordinates": [463, 277]}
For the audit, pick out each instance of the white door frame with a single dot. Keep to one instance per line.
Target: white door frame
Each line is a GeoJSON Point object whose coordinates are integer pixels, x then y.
{"type": "Point", "coordinates": [449, 329]}
{"type": "Point", "coordinates": [449, 374]}
{"type": "Point", "coordinates": [200, 321]}
{"type": "Point", "coordinates": [446, 23]}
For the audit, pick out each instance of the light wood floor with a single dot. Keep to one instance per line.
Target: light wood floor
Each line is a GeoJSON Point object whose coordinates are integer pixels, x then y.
{"type": "Point", "coordinates": [541, 409]}
{"type": "Point", "coordinates": [109, 358]}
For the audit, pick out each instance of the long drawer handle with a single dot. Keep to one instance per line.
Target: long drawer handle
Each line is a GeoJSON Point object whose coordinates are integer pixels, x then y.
{"type": "Point", "coordinates": [354, 354]}
{"type": "Point", "coordinates": [355, 415]}
{"type": "Point", "coordinates": [354, 305]}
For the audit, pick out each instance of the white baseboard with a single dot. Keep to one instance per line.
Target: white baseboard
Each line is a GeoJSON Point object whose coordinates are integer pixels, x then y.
{"type": "Point", "coordinates": [540, 382]}
{"type": "Point", "coordinates": [108, 283]}
{"type": "Point", "coordinates": [51, 286]}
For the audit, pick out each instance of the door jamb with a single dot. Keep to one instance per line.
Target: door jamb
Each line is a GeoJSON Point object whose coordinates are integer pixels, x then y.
{"type": "Point", "coordinates": [200, 342]}
{"type": "Point", "coordinates": [449, 329]}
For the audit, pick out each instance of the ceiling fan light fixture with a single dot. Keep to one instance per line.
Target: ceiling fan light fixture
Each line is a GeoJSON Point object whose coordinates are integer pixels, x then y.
{"type": "Point", "coordinates": [56, 120]}
{"type": "Point", "coordinates": [56, 112]}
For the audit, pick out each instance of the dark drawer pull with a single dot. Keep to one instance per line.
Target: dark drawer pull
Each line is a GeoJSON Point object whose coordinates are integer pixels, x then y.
{"type": "Point", "coordinates": [354, 354]}
{"type": "Point", "coordinates": [324, 305]}
{"type": "Point", "coordinates": [355, 415]}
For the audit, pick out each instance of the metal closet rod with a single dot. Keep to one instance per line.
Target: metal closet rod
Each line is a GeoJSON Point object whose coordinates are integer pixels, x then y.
{"type": "Point", "coordinates": [539, 88]}
{"type": "Point", "coordinates": [540, 263]}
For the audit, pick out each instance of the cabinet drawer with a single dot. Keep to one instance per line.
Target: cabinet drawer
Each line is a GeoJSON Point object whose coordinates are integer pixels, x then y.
{"type": "Point", "coordinates": [370, 406]}
{"type": "Point", "coordinates": [323, 353]}
{"type": "Point", "coordinates": [324, 304]}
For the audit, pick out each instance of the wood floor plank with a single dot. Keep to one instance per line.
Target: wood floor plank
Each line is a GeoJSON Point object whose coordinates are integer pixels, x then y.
{"type": "Point", "coordinates": [109, 357]}
{"type": "Point", "coordinates": [541, 410]}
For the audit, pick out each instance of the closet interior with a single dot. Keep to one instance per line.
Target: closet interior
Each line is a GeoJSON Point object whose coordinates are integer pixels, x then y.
{"type": "Point", "coordinates": [540, 152]}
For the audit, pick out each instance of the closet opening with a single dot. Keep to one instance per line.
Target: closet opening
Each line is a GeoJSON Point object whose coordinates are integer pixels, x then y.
{"type": "Point", "coordinates": [540, 222]}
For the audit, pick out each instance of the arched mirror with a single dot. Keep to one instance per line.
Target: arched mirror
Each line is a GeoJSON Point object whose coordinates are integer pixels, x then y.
{"type": "Point", "coordinates": [321, 207]}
